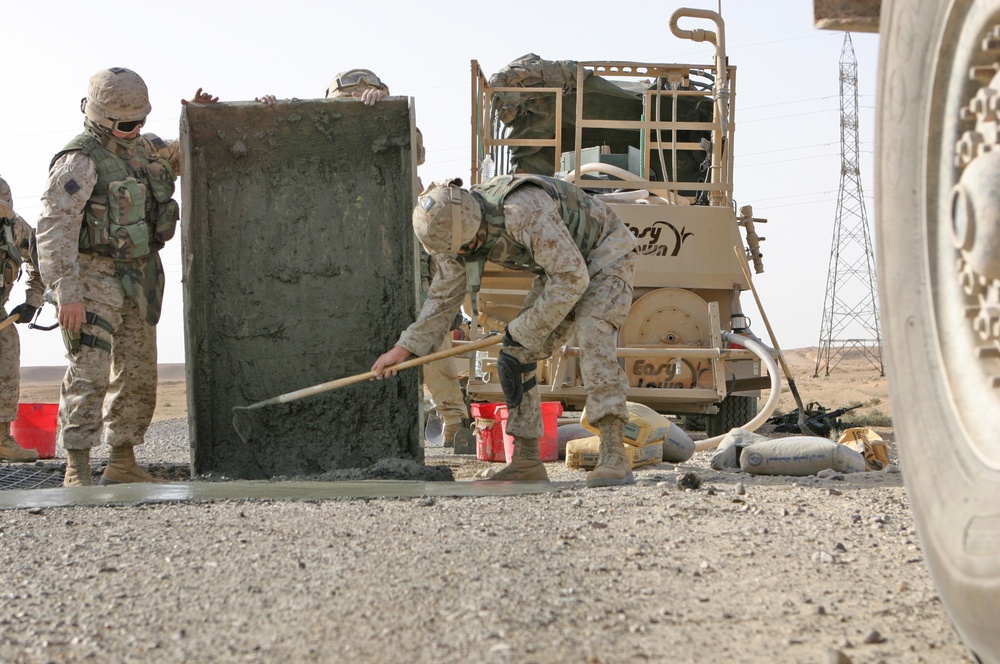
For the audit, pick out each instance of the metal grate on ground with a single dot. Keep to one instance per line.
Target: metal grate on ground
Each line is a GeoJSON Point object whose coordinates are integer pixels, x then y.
{"type": "Point", "coordinates": [29, 477]}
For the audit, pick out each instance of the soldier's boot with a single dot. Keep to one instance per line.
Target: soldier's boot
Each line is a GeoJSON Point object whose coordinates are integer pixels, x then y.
{"type": "Point", "coordinates": [78, 468]}
{"type": "Point", "coordinates": [122, 468]}
{"type": "Point", "coordinates": [613, 464]}
{"type": "Point", "coordinates": [451, 427]}
{"type": "Point", "coordinates": [10, 450]}
{"type": "Point", "coordinates": [525, 465]}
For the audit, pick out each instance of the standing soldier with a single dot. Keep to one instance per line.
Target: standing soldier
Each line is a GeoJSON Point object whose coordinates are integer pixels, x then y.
{"type": "Point", "coordinates": [107, 210]}
{"type": "Point", "coordinates": [584, 258]}
{"type": "Point", "coordinates": [16, 241]}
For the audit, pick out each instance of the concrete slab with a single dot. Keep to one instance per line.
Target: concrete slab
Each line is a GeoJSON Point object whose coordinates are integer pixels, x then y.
{"type": "Point", "coordinates": [178, 492]}
{"type": "Point", "coordinates": [299, 268]}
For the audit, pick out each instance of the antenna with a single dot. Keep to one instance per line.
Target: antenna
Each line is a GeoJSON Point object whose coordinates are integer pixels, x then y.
{"type": "Point", "coordinates": [850, 309]}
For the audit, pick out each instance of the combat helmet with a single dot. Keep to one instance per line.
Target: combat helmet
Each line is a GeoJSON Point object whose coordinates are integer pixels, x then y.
{"type": "Point", "coordinates": [116, 96]}
{"type": "Point", "coordinates": [446, 217]}
{"type": "Point", "coordinates": [354, 80]}
{"type": "Point", "coordinates": [6, 200]}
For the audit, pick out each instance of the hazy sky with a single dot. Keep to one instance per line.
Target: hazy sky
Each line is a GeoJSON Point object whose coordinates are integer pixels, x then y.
{"type": "Point", "coordinates": [787, 143]}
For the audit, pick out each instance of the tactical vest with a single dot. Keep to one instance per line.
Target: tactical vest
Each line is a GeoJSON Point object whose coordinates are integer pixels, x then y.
{"type": "Point", "coordinates": [574, 209]}
{"type": "Point", "coordinates": [10, 255]}
{"type": "Point", "coordinates": [122, 220]}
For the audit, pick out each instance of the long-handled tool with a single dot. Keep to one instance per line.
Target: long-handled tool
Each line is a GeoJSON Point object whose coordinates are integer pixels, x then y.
{"type": "Point", "coordinates": [10, 320]}
{"type": "Point", "coordinates": [803, 427]}
{"type": "Point", "coordinates": [479, 344]}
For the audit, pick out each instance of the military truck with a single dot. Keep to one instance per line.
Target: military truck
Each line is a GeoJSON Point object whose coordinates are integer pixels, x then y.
{"type": "Point", "coordinates": [656, 141]}
{"type": "Point", "coordinates": [938, 238]}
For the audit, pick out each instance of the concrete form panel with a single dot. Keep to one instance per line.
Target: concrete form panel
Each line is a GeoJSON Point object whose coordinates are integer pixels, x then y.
{"type": "Point", "coordinates": [299, 268]}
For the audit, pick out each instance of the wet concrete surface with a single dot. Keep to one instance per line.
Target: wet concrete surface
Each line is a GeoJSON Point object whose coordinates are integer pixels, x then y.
{"type": "Point", "coordinates": [299, 269]}
{"type": "Point", "coordinates": [178, 492]}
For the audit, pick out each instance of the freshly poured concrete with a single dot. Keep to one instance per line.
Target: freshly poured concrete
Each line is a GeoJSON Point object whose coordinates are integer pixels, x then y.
{"type": "Point", "coordinates": [299, 268]}
{"type": "Point", "coordinates": [178, 492]}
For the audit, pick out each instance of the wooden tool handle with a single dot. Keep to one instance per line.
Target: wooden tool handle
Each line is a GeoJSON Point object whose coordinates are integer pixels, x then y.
{"type": "Point", "coordinates": [485, 342]}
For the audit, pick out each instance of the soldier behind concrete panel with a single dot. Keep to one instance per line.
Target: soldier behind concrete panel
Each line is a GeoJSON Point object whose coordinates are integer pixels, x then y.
{"type": "Point", "coordinates": [107, 210]}
{"type": "Point", "coordinates": [584, 260]}
{"type": "Point", "coordinates": [440, 377]}
{"type": "Point", "coordinates": [16, 241]}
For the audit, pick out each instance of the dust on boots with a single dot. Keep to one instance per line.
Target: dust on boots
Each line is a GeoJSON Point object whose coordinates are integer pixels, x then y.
{"type": "Point", "coordinates": [525, 464]}
{"type": "Point", "coordinates": [78, 468]}
{"type": "Point", "coordinates": [613, 465]}
{"type": "Point", "coordinates": [10, 450]}
{"type": "Point", "coordinates": [122, 468]}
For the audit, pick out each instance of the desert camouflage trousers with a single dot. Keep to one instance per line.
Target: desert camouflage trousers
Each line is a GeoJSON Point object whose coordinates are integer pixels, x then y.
{"type": "Point", "coordinates": [110, 395]}
{"type": "Point", "coordinates": [595, 321]}
{"type": "Point", "coordinates": [10, 371]}
{"type": "Point", "coordinates": [441, 379]}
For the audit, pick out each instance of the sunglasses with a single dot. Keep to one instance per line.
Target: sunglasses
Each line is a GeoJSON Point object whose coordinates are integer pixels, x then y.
{"type": "Point", "coordinates": [127, 126]}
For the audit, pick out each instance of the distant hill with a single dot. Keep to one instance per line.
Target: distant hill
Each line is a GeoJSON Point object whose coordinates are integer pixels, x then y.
{"type": "Point", "coordinates": [168, 373]}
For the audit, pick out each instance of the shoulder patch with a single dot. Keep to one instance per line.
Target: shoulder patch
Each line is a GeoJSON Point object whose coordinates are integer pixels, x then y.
{"type": "Point", "coordinates": [71, 187]}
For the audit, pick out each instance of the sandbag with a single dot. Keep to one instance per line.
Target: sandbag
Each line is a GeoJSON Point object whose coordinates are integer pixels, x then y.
{"type": "Point", "coordinates": [799, 456]}
{"type": "Point", "coordinates": [644, 426]}
{"type": "Point", "coordinates": [584, 452]}
{"type": "Point", "coordinates": [727, 454]}
{"type": "Point", "coordinates": [678, 446]}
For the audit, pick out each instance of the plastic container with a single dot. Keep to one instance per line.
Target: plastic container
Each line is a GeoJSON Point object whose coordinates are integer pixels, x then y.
{"type": "Point", "coordinates": [548, 444]}
{"type": "Point", "coordinates": [489, 431]}
{"type": "Point", "coordinates": [35, 428]}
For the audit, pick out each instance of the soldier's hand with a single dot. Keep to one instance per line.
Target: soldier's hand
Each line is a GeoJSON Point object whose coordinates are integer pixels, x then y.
{"type": "Point", "coordinates": [383, 365]}
{"type": "Point", "coordinates": [201, 98]}
{"type": "Point", "coordinates": [269, 100]}
{"type": "Point", "coordinates": [371, 95]}
{"type": "Point", "coordinates": [25, 313]}
{"type": "Point", "coordinates": [72, 316]}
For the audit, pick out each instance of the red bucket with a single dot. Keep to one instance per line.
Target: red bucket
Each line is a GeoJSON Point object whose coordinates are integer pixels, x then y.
{"type": "Point", "coordinates": [489, 432]}
{"type": "Point", "coordinates": [35, 427]}
{"type": "Point", "coordinates": [548, 444]}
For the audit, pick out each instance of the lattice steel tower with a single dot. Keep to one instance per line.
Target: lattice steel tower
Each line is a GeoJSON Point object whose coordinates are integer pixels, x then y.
{"type": "Point", "coordinates": [850, 309]}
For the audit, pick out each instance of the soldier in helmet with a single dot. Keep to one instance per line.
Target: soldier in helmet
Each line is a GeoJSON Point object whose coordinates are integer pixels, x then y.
{"type": "Point", "coordinates": [16, 243]}
{"type": "Point", "coordinates": [107, 210]}
{"type": "Point", "coordinates": [440, 377]}
{"type": "Point", "coordinates": [584, 258]}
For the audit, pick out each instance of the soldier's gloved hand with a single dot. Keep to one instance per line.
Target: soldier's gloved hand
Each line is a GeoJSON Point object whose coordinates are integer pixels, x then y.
{"type": "Point", "coordinates": [267, 100]}
{"type": "Point", "coordinates": [201, 98]}
{"type": "Point", "coordinates": [25, 312]}
{"type": "Point", "coordinates": [509, 340]}
{"type": "Point", "coordinates": [371, 95]}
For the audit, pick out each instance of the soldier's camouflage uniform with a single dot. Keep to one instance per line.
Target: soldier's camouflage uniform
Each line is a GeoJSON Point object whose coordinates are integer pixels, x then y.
{"type": "Point", "coordinates": [590, 298]}
{"type": "Point", "coordinates": [116, 389]}
{"type": "Point", "coordinates": [10, 343]}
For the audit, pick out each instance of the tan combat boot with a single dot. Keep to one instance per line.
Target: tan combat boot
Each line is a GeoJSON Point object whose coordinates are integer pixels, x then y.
{"type": "Point", "coordinates": [78, 468]}
{"type": "Point", "coordinates": [613, 464]}
{"type": "Point", "coordinates": [10, 450]}
{"type": "Point", "coordinates": [525, 465]}
{"type": "Point", "coordinates": [122, 468]}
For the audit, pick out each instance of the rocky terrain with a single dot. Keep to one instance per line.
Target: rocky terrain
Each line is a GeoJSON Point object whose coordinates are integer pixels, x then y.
{"type": "Point", "coordinates": [687, 565]}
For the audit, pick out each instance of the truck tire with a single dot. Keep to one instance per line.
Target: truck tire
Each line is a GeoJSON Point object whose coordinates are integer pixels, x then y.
{"type": "Point", "coordinates": [733, 412]}
{"type": "Point", "coordinates": [938, 212]}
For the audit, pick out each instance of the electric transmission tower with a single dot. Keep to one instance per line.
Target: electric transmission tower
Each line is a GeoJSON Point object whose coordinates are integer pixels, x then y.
{"type": "Point", "coordinates": [850, 309]}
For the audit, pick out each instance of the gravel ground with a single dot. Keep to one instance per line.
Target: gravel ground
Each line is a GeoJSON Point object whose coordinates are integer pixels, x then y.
{"type": "Point", "coordinates": [741, 569]}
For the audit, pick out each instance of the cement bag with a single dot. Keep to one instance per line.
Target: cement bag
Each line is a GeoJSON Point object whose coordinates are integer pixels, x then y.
{"type": "Point", "coordinates": [727, 454]}
{"type": "Point", "coordinates": [869, 444]}
{"type": "Point", "coordinates": [584, 452]}
{"type": "Point", "coordinates": [800, 455]}
{"type": "Point", "coordinates": [678, 446]}
{"type": "Point", "coordinates": [644, 425]}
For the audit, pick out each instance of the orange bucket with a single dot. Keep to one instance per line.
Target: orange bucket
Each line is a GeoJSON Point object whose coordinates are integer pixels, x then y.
{"type": "Point", "coordinates": [548, 444]}
{"type": "Point", "coordinates": [35, 427]}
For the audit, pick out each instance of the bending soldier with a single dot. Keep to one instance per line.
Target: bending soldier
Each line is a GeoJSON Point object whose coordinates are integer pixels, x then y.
{"type": "Point", "coordinates": [584, 258]}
